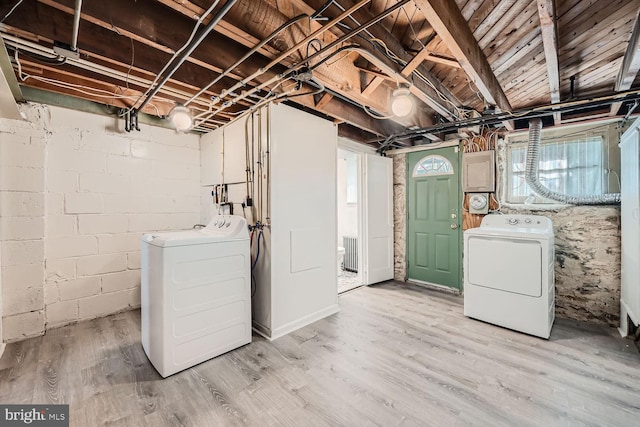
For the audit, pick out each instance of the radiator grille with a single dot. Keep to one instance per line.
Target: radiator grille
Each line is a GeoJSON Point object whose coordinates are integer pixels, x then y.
{"type": "Point", "coordinates": [350, 244]}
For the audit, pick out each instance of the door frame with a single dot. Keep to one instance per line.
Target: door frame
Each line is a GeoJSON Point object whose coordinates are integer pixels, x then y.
{"type": "Point", "coordinates": [456, 145]}
{"type": "Point", "coordinates": [361, 151]}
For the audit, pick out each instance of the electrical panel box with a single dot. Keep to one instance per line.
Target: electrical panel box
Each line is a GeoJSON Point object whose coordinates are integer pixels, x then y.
{"type": "Point", "coordinates": [478, 172]}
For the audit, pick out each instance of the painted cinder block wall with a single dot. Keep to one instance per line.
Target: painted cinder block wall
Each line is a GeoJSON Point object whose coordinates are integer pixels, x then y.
{"type": "Point", "coordinates": [76, 193]}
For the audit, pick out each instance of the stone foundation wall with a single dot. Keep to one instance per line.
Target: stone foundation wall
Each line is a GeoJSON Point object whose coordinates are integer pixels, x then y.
{"type": "Point", "coordinates": [399, 217]}
{"type": "Point", "coordinates": [587, 245]}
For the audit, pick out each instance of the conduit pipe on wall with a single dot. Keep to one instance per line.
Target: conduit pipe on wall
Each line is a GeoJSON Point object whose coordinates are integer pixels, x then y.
{"type": "Point", "coordinates": [532, 178]}
{"type": "Point", "coordinates": [76, 26]}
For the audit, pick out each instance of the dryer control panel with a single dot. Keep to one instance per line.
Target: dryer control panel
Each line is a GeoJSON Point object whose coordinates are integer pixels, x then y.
{"type": "Point", "coordinates": [511, 222]}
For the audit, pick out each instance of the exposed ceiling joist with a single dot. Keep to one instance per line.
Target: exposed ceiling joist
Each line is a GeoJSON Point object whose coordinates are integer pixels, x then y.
{"type": "Point", "coordinates": [406, 71]}
{"type": "Point", "coordinates": [114, 35]}
{"type": "Point", "coordinates": [447, 20]}
{"type": "Point", "coordinates": [547, 14]}
{"type": "Point", "coordinates": [506, 47]}
{"type": "Point", "coordinates": [423, 91]}
{"type": "Point", "coordinates": [630, 64]}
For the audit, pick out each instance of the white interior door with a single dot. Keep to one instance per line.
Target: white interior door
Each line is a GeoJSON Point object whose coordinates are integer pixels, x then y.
{"type": "Point", "coordinates": [378, 224]}
{"type": "Point", "coordinates": [630, 219]}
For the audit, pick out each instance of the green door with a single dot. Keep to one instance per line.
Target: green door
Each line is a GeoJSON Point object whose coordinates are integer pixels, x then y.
{"type": "Point", "coordinates": [433, 208]}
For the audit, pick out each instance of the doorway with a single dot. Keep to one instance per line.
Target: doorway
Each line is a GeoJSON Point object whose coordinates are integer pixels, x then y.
{"type": "Point", "coordinates": [349, 205]}
{"type": "Point", "coordinates": [433, 217]}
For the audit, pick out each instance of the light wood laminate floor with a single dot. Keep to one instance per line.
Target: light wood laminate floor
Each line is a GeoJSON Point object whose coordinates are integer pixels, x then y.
{"type": "Point", "coordinates": [394, 355]}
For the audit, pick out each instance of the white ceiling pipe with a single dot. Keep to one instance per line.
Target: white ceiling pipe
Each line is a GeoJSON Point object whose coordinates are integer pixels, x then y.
{"type": "Point", "coordinates": [76, 26]}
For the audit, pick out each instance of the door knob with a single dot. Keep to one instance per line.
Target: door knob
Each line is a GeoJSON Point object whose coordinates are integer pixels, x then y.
{"type": "Point", "coordinates": [454, 226]}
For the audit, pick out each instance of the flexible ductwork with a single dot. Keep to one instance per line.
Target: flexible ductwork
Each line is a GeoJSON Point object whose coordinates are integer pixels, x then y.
{"type": "Point", "coordinates": [532, 179]}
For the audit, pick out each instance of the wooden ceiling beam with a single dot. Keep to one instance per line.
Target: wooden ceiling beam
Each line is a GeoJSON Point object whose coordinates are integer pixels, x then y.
{"type": "Point", "coordinates": [337, 75]}
{"type": "Point", "coordinates": [440, 59]}
{"type": "Point", "coordinates": [406, 71]}
{"type": "Point", "coordinates": [72, 83]}
{"type": "Point", "coordinates": [324, 99]}
{"type": "Point", "coordinates": [47, 22]}
{"type": "Point", "coordinates": [345, 130]}
{"type": "Point", "coordinates": [630, 64]}
{"type": "Point", "coordinates": [44, 23]}
{"type": "Point", "coordinates": [107, 90]}
{"type": "Point", "coordinates": [348, 113]}
{"type": "Point", "coordinates": [420, 89]}
{"type": "Point", "coordinates": [547, 14]}
{"type": "Point", "coordinates": [447, 20]}
{"type": "Point", "coordinates": [194, 11]}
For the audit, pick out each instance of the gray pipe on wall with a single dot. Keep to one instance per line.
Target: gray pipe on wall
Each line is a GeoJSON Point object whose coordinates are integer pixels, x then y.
{"type": "Point", "coordinates": [532, 178]}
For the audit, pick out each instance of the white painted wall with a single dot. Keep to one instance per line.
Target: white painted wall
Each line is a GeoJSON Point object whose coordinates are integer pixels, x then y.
{"type": "Point", "coordinates": [303, 208]}
{"type": "Point", "coordinates": [295, 275]}
{"type": "Point", "coordinates": [22, 212]}
{"type": "Point", "coordinates": [76, 193]}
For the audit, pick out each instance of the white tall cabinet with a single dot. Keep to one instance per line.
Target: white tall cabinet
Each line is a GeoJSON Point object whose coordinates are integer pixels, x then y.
{"type": "Point", "coordinates": [630, 218]}
{"type": "Point", "coordinates": [295, 275]}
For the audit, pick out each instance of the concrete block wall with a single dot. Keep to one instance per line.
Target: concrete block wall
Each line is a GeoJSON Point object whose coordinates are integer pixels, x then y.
{"type": "Point", "coordinates": [22, 227]}
{"type": "Point", "coordinates": [100, 189]}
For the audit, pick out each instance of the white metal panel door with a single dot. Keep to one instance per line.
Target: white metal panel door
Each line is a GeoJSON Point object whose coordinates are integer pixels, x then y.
{"type": "Point", "coordinates": [630, 221]}
{"type": "Point", "coordinates": [378, 219]}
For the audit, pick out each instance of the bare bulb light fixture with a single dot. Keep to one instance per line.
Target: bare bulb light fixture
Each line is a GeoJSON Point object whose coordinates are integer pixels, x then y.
{"type": "Point", "coordinates": [401, 102]}
{"type": "Point", "coordinates": [181, 119]}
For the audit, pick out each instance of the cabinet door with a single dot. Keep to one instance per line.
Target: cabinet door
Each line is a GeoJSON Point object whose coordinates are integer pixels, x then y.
{"type": "Point", "coordinates": [630, 218]}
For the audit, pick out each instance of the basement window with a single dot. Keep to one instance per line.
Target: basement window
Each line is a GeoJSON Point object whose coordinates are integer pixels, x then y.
{"type": "Point", "coordinates": [570, 166]}
{"type": "Point", "coordinates": [432, 166]}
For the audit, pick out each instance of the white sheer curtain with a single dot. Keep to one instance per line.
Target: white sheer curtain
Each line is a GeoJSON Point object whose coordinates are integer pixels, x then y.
{"type": "Point", "coordinates": [573, 167]}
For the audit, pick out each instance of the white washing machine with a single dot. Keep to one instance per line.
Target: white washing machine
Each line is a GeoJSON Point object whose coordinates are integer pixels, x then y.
{"type": "Point", "coordinates": [196, 293]}
{"type": "Point", "coordinates": [509, 273]}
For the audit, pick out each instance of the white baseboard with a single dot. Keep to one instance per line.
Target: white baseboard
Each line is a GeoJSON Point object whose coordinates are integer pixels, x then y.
{"type": "Point", "coordinates": [296, 324]}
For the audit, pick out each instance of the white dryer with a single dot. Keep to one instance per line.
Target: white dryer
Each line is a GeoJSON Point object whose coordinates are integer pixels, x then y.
{"type": "Point", "coordinates": [196, 293]}
{"type": "Point", "coordinates": [509, 273]}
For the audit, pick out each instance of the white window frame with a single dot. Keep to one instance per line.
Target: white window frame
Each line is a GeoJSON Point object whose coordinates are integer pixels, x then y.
{"type": "Point", "coordinates": [444, 160]}
{"type": "Point", "coordinates": [522, 140]}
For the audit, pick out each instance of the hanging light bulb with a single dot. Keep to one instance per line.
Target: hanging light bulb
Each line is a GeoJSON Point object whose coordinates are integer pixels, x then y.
{"type": "Point", "coordinates": [401, 102]}
{"type": "Point", "coordinates": [181, 119]}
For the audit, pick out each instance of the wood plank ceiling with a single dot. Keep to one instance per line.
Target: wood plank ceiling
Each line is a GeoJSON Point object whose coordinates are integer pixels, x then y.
{"type": "Point", "coordinates": [454, 56]}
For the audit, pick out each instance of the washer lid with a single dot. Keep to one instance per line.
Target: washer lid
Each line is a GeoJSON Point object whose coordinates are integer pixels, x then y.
{"type": "Point", "coordinates": [221, 228]}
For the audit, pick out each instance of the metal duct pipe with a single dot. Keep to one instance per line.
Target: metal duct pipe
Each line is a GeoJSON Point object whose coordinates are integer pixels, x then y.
{"type": "Point", "coordinates": [76, 26]}
{"type": "Point", "coordinates": [532, 178]}
{"type": "Point", "coordinates": [183, 57]}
